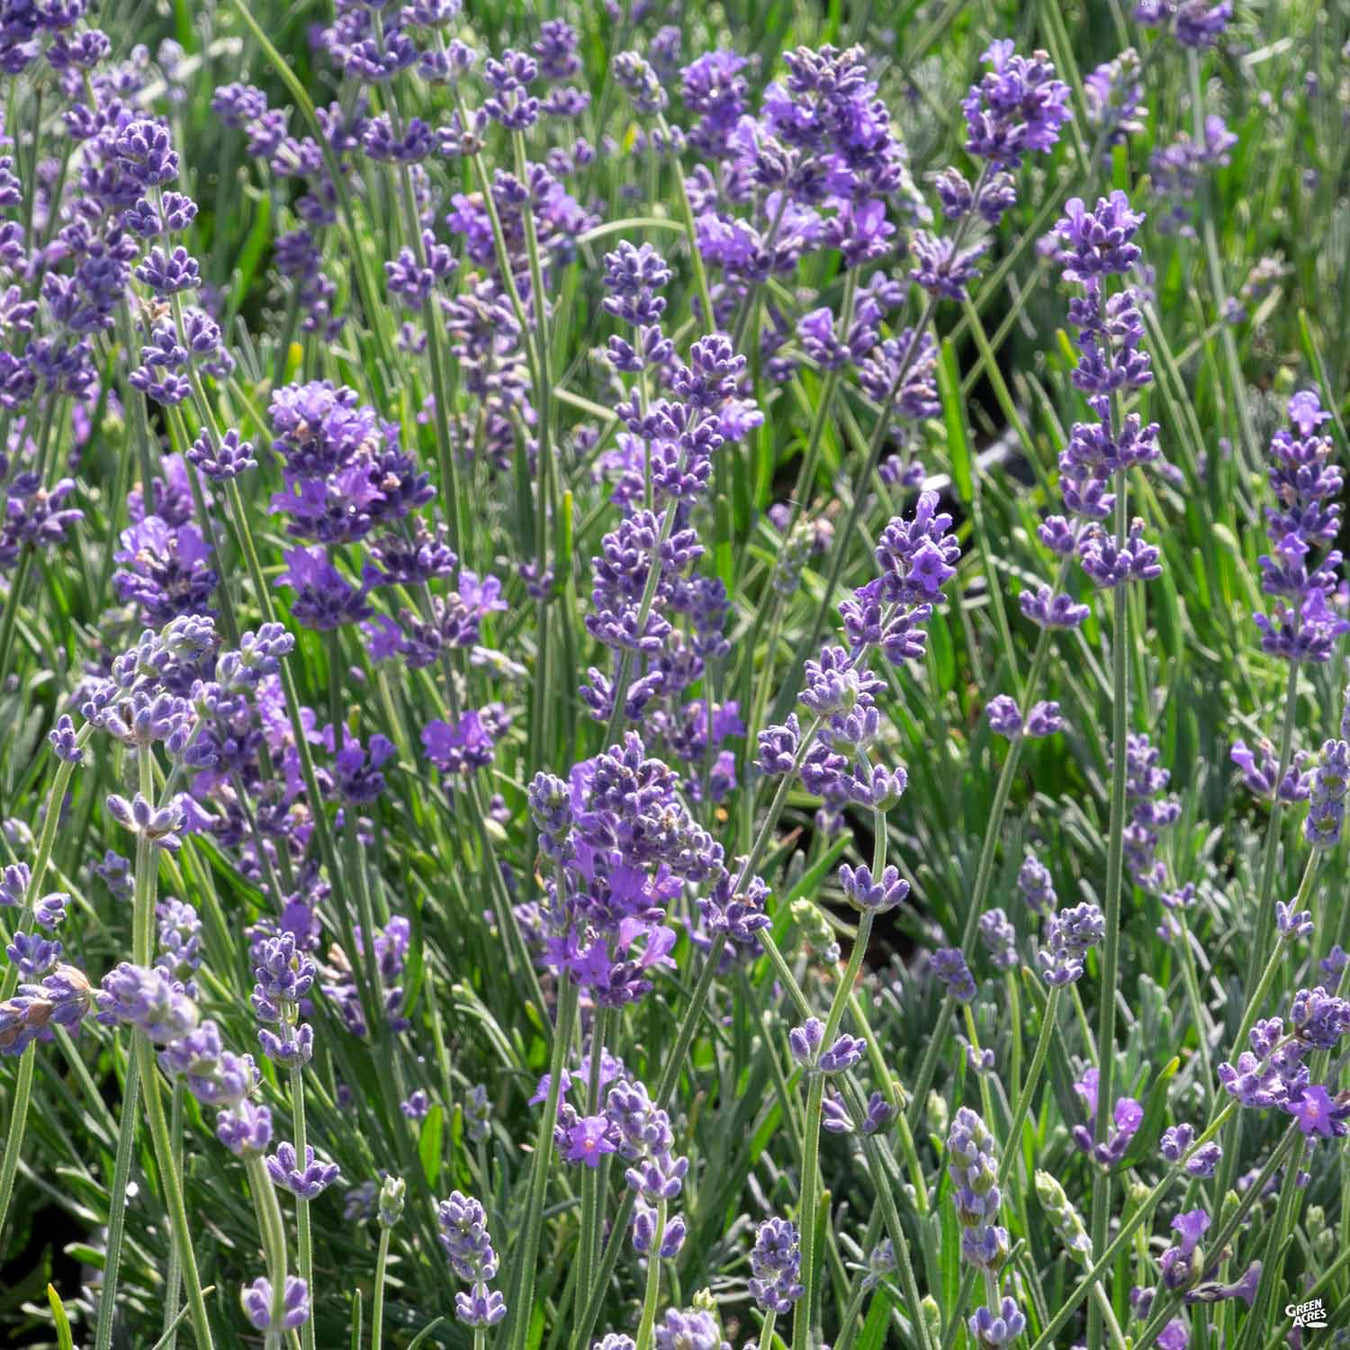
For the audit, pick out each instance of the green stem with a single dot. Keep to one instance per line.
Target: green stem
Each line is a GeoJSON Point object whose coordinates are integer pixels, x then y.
{"type": "Point", "coordinates": [1122, 1239]}
{"type": "Point", "coordinates": [1115, 875]}
{"type": "Point", "coordinates": [164, 1160]}
{"type": "Point", "coordinates": [1013, 1148]}
{"type": "Point", "coordinates": [802, 1316]}
{"type": "Point", "coordinates": [303, 1239]}
{"type": "Point", "coordinates": [18, 1121]}
{"type": "Point", "coordinates": [766, 1331]}
{"type": "Point", "coordinates": [274, 1243]}
{"type": "Point", "coordinates": [677, 1061]}
{"type": "Point", "coordinates": [23, 1086]}
{"type": "Point", "coordinates": [539, 1168]}
{"type": "Point", "coordinates": [652, 1295]}
{"type": "Point", "coordinates": [377, 1311]}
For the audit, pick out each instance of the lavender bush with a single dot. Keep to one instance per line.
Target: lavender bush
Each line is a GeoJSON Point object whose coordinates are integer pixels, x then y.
{"type": "Point", "coordinates": [675, 676]}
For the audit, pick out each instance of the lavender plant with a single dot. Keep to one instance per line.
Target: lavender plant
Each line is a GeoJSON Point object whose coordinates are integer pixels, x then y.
{"type": "Point", "coordinates": [676, 676]}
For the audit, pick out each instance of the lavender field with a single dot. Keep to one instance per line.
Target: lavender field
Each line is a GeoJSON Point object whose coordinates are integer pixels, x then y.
{"type": "Point", "coordinates": [674, 676]}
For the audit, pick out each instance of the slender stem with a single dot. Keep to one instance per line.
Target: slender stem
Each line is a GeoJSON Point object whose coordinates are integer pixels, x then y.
{"type": "Point", "coordinates": [1115, 875]}
{"type": "Point", "coordinates": [274, 1243]}
{"type": "Point", "coordinates": [653, 1292]}
{"type": "Point", "coordinates": [539, 1167]}
{"type": "Point", "coordinates": [159, 1134]}
{"type": "Point", "coordinates": [766, 1331]}
{"type": "Point", "coordinates": [625, 674]}
{"type": "Point", "coordinates": [590, 1177]}
{"type": "Point", "coordinates": [303, 1239]}
{"type": "Point", "coordinates": [695, 256]}
{"type": "Point", "coordinates": [1128, 1227]}
{"type": "Point", "coordinates": [117, 1205]}
{"type": "Point", "coordinates": [802, 1319]}
{"type": "Point", "coordinates": [1197, 1002]}
{"type": "Point", "coordinates": [1013, 1149]}
{"type": "Point", "coordinates": [174, 1277]}
{"type": "Point", "coordinates": [1108, 1316]}
{"type": "Point", "coordinates": [18, 1121]}
{"type": "Point", "coordinates": [677, 1061]}
{"type": "Point", "coordinates": [377, 1311]}
{"type": "Point", "coordinates": [1270, 856]}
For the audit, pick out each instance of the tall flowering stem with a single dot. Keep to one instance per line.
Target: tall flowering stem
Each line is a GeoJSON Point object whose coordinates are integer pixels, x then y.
{"type": "Point", "coordinates": [1093, 246]}
{"type": "Point", "coordinates": [23, 1085]}
{"type": "Point", "coordinates": [522, 1302]}
{"type": "Point", "coordinates": [142, 940]}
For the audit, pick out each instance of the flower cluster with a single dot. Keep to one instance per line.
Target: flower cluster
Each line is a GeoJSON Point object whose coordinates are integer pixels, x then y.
{"type": "Point", "coordinates": [1301, 570]}
{"type": "Point", "coordinates": [464, 1235]}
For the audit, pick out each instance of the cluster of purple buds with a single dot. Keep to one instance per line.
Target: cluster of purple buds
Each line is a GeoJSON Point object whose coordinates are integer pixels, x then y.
{"type": "Point", "coordinates": [464, 1236]}
{"type": "Point", "coordinates": [1274, 1072]}
{"type": "Point", "coordinates": [624, 840]}
{"type": "Point", "coordinates": [284, 976]}
{"type": "Point", "coordinates": [61, 998]}
{"type": "Point", "coordinates": [1114, 95]}
{"type": "Point", "coordinates": [915, 557]}
{"type": "Point", "coordinates": [876, 895]}
{"type": "Point", "coordinates": [1260, 767]}
{"type": "Point", "coordinates": [806, 1042]}
{"type": "Point", "coordinates": [1042, 719]}
{"type": "Point", "coordinates": [999, 939]}
{"type": "Point", "coordinates": [179, 931]}
{"type": "Point", "coordinates": [837, 1119]}
{"type": "Point", "coordinates": [344, 471]}
{"type": "Point", "coordinates": [1301, 569]}
{"type": "Point", "coordinates": [972, 1164]}
{"type": "Point", "coordinates": [1197, 24]}
{"type": "Point", "coordinates": [1177, 171]}
{"type": "Point", "coordinates": [736, 906]}
{"type": "Point", "coordinates": [1176, 1143]}
{"type": "Point", "coordinates": [1151, 810]}
{"type": "Point", "coordinates": [1092, 246]}
{"type": "Point", "coordinates": [341, 985]}
{"type": "Point", "coordinates": [1036, 886]}
{"type": "Point", "coordinates": [257, 1301]}
{"type": "Point", "coordinates": [952, 971]}
{"type": "Point", "coordinates": [995, 1330]}
{"type": "Point", "coordinates": [1126, 1118]}
{"type": "Point", "coordinates": [1326, 801]}
{"type": "Point", "coordinates": [776, 1266]}
{"type": "Point", "coordinates": [1017, 108]}
{"type": "Point", "coordinates": [1073, 933]}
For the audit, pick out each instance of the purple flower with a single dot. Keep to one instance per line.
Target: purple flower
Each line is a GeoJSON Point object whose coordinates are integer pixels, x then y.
{"type": "Point", "coordinates": [257, 1302]}
{"type": "Point", "coordinates": [1326, 802]}
{"type": "Point", "coordinates": [246, 1130]}
{"type": "Point", "coordinates": [62, 998]}
{"type": "Point", "coordinates": [950, 967]}
{"type": "Point", "coordinates": [775, 1266]}
{"type": "Point", "coordinates": [324, 598]}
{"type": "Point", "coordinates": [972, 1164]}
{"type": "Point", "coordinates": [1036, 885]}
{"type": "Point", "coordinates": [1301, 570]}
{"type": "Point", "coordinates": [1018, 106]}
{"type": "Point", "coordinates": [588, 1141]}
{"type": "Point", "coordinates": [1318, 1113]}
{"type": "Point", "coordinates": [464, 1236]}
{"type": "Point", "coordinates": [876, 894]}
{"type": "Point", "coordinates": [147, 1000]}
{"type": "Point", "coordinates": [308, 1182]}
{"type": "Point", "coordinates": [994, 1330]}
{"type": "Point", "coordinates": [1004, 716]}
{"type": "Point", "coordinates": [1073, 932]}
{"type": "Point", "coordinates": [999, 939]}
